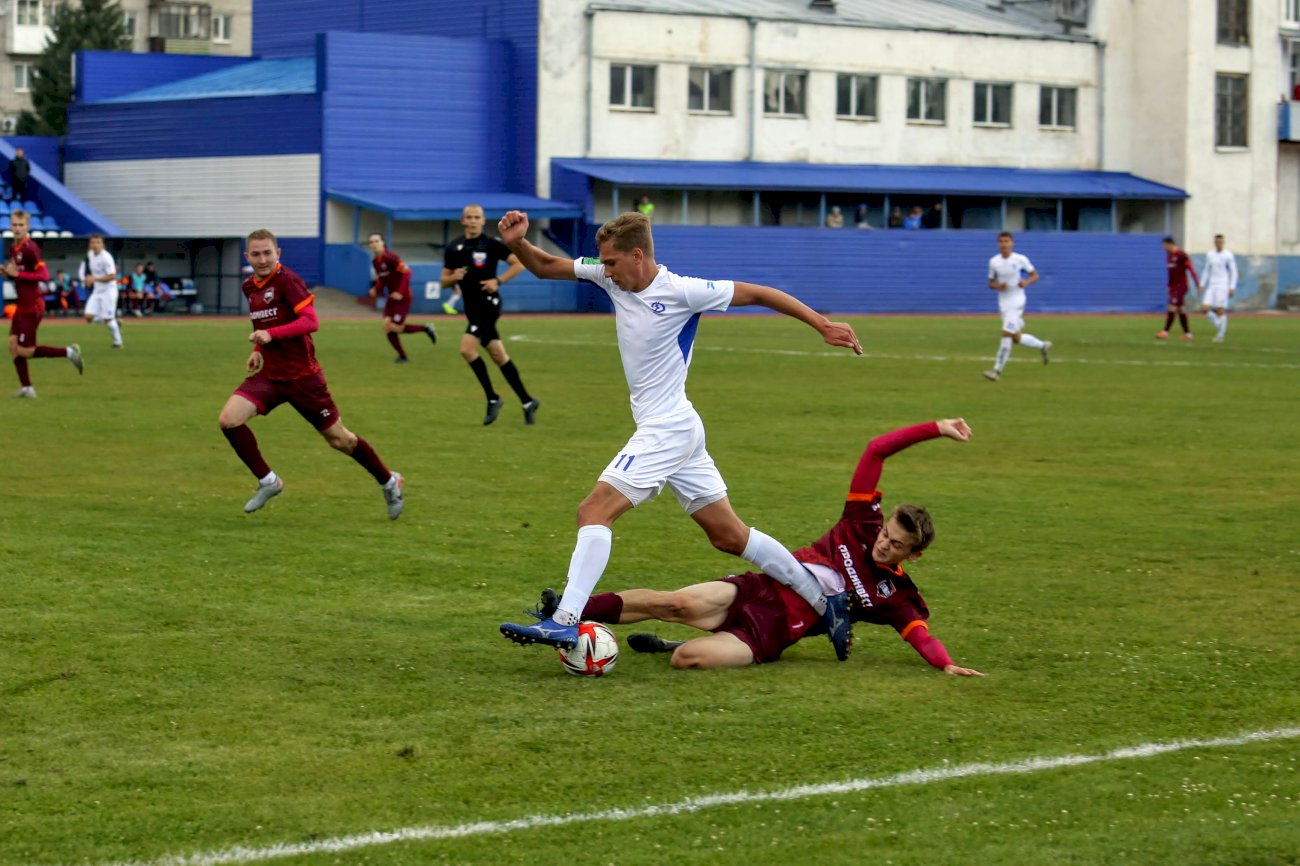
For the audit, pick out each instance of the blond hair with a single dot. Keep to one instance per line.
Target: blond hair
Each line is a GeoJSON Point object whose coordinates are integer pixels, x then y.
{"type": "Point", "coordinates": [263, 235]}
{"type": "Point", "coordinates": [627, 232]}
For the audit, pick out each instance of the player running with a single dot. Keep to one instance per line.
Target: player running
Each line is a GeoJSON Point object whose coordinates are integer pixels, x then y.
{"type": "Point", "coordinates": [27, 271]}
{"type": "Point", "coordinates": [393, 277]}
{"type": "Point", "coordinates": [1007, 276]}
{"type": "Point", "coordinates": [753, 619]}
{"type": "Point", "coordinates": [1220, 285]}
{"type": "Point", "coordinates": [1179, 265]}
{"type": "Point", "coordinates": [470, 263]}
{"type": "Point", "coordinates": [99, 272]}
{"type": "Point", "coordinates": [283, 369]}
{"type": "Point", "coordinates": [656, 313]}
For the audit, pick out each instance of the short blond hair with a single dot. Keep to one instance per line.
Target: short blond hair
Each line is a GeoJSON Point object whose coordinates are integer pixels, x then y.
{"type": "Point", "coordinates": [263, 235]}
{"type": "Point", "coordinates": [627, 232]}
{"type": "Point", "coordinates": [19, 212]}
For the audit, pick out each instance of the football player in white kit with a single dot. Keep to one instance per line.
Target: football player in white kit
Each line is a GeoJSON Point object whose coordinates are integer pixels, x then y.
{"type": "Point", "coordinates": [1220, 285]}
{"type": "Point", "coordinates": [1007, 276]}
{"type": "Point", "coordinates": [656, 313]}
{"type": "Point", "coordinates": [98, 272]}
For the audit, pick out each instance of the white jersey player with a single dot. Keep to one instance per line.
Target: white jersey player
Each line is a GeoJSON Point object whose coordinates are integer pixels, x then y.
{"type": "Point", "coordinates": [656, 312]}
{"type": "Point", "coordinates": [1010, 273]}
{"type": "Point", "coordinates": [1220, 285]}
{"type": "Point", "coordinates": [98, 272]}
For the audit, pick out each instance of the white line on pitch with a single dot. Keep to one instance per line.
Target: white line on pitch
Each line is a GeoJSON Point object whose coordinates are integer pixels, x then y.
{"type": "Point", "coordinates": [242, 854]}
{"type": "Point", "coordinates": [974, 359]}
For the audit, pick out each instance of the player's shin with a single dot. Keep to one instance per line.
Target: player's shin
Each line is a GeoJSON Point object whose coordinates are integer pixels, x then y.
{"type": "Point", "coordinates": [245, 444]}
{"type": "Point", "coordinates": [590, 556]}
{"type": "Point", "coordinates": [1004, 352]}
{"type": "Point", "coordinates": [1029, 341]}
{"type": "Point", "coordinates": [771, 558]}
{"type": "Point", "coordinates": [369, 460]}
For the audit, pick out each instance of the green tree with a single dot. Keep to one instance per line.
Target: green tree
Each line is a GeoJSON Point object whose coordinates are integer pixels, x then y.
{"type": "Point", "coordinates": [90, 24]}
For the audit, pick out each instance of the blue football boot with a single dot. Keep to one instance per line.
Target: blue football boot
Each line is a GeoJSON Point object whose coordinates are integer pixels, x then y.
{"type": "Point", "coordinates": [839, 628]}
{"type": "Point", "coordinates": [546, 631]}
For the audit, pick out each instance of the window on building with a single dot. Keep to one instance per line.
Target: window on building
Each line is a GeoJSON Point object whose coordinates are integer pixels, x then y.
{"type": "Point", "coordinates": [632, 87]}
{"type": "Point", "coordinates": [1293, 70]}
{"type": "Point", "coordinates": [1057, 106]}
{"type": "Point", "coordinates": [709, 90]}
{"type": "Point", "coordinates": [1234, 22]}
{"type": "Point", "coordinates": [927, 100]}
{"type": "Point", "coordinates": [855, 96]}
{"type": "Point", "coordinates": [993, 104]}
{"type": "Point", "coordinates": [221, 28]}
{"type": "Point", "coordinates": [28, 13]}
{"type": "Point", "coordinates": [22, 77]}
{"type": "Point", "coordinates": [1230, 114]}
{"type": "Point", "coordinates": [785, 93]}
{"type": "Point", "coordinates": [1291, 11]}
{"type": "Point", "coordinates": [129, 21]}
{"type": "Point", "coordinates": [181, 20]}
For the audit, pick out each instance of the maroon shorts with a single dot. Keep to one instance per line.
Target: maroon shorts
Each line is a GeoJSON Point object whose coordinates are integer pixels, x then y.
{"type": "Point", "coordinates": [309, 395]}
{"type": "Point", "coordinates": [1176, 295]}
{"type": "Point", "coordinates": [24, 327]}
{"type": "Point", "coordinates": [398, 310]}
{"type": "Point", "coordinates": [760, 616]}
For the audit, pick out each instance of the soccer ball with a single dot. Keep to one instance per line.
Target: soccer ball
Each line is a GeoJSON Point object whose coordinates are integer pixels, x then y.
{"type": "Point", "coordinates": [595, 653]}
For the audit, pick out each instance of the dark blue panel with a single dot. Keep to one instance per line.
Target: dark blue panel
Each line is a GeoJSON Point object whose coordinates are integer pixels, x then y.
{"type": "Point", "coordinates": [205, 127]}
{"type": "Point", "coordinates": [288, 28]}
{"type": "Point", "coordinates": [303, 256]}
{"type": "Point", "coordinates": [916, 179]}
{"type": "Point", "coordinates": [105, 74]}
{"type": "Point", "coordinates": [57, 201]}
{"type": "Point", "coordinates": [346, 267]}
{"type": "Point", "coordinates": [413, 113]}
{"type": "Point", "coordinates": [42, 150]}
{"type": "Point", "coordinates": [922, 271]}
{"type": "Point", "coordinates": [436, 205]}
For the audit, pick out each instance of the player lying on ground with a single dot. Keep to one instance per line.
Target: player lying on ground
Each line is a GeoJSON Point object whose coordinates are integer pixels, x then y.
{"type": "Point", "coordinates": [753, 618]}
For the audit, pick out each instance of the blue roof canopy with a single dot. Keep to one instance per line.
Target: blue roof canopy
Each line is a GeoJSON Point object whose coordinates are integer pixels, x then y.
{"type": "Point", "coordinates": [901, 179]}
{"type": "Point", "coordinates": [254, 78]}
{"type": "Point", "coordinates": [427, 205]}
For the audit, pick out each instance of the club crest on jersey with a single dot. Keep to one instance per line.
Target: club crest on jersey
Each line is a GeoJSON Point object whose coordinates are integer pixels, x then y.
{"type": "Point", "coordinates": [884, 589]}
{"type": "Point", "coordinates": [480, 259]}
{"type": "Point", "coordinates": [658, 307]}
{"type": "Point", "coordinates": [268, 295]}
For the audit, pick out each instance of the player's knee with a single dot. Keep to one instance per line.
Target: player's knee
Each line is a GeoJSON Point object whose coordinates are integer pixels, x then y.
{"type": "Point", "coordinates": [686, 657]}
{"type": "Point", "coordinates": [228, 421]}
{"type": "Point", "coordinates": [730, 539]}
{"type": "Point", "coordinates": [341, 440]}
{"type": "Point", "coordinates": [469, 355]}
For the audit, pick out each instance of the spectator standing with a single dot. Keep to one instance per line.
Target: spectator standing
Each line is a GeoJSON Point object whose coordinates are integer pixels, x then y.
{"type": "Point", "coordinates": [135, 291]}
{"type": "Point", "coordinates": [895, 218]}
{"type": "Point", "coordinates": [835, 219]}
{"type": "Point", "coordinates": [20, 171]}
{"type": "Point", "coordinates": [913, 219]}
{"type": "Point", "coordinates": [933, 218]}
{"type": "Point", "coordinates": [645, 207]}
{"type": "Point", "coordinates": [860, 218]}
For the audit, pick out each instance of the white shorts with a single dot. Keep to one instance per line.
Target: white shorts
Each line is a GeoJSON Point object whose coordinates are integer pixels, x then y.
{"type": "Point", "coordinates": [102, 304]}
{"type": "Point", "coordinates": [673, 454]}
{"type": "Point", "coordinates": [1013, 319]}
{"type": "Point", "coordinates": [1215, 297]}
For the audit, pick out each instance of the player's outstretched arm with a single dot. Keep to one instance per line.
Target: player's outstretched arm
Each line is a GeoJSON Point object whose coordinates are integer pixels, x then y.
{"type": "Point", "coordinates": [867, 474]}
{"type": "Point", "coordinates": [834, 333]}
{"type": "Point", "coordinates": [513, 228]}
{"type": "Point", "coordinates": [931, 649]}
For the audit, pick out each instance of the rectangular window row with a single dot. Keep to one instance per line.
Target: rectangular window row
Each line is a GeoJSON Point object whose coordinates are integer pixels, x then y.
{"type": "Point", "coordinates": [709, 91]}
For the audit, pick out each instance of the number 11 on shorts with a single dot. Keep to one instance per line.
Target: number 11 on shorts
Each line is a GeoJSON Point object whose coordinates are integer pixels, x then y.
{"type": "Point", "coordinates": [624, 462]}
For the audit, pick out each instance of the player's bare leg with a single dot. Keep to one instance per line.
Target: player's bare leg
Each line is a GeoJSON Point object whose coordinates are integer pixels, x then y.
{"type": "Point", "coordinates": [234, 418]}
{"type": "Point", "coordinates": [728, 533]}
{"type": "Point", "coordinates": [342, 439]}
{"type": "Point", "coordinates": [721, 650]}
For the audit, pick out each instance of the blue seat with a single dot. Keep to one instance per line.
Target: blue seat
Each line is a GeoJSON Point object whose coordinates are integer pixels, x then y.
{"type": "Point", "coordinates": [31, 207]}
{"type": "Point", "coordinates": [51, 224]}
{"type": "Point", "coordinates": [4, 222]}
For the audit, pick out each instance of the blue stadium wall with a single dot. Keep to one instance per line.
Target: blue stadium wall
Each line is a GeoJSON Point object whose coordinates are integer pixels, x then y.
{"type": "Point", "coordinates": [289, 28]}
{"type": "Point", "coordinates": [103, 75]}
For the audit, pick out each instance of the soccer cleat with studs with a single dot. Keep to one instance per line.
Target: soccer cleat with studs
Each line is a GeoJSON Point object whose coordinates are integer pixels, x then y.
{"type": "Point", "coordinates": [530, 411]}
{"type": "Point", "coordinates": [431, 333]}
{"type": "Point", "coordinates": [265, 493]}
{"type": "Point", "coordinates": [74, 355]}
{"type": "Point", "coordinates": [547, 605]}
{"type": "Point", "coordinates": [546, 631]}
{"type": "Point", "coordinates": [493, 410]}
{"type": "Point", "coordinates": [1046, 350]}
{"type": "Point", "coordinates": [643, 642]}
{"type": "Point", "coordinates": [1163, 335]}
{"type": "Point", "coordinates": [992, 375]}
{"type": "Point", "coordinates": [393, 495]}
{"type": "Point", "coordinates": [401, 359]}
{"type": "Point", "coordinates": [27, 392]}
{"type": "Point", "coordinates": [1187, 335]}
{"type": "Point", "coordinates": [839, 628]}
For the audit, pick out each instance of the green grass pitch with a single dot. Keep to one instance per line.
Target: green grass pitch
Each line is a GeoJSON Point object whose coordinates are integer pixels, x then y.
{"type": "Point", "coordinates": [1117, 548]}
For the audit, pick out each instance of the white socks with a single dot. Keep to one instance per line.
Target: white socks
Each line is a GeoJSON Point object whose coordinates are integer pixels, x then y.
{"type": "Point", "coordinates": [590, 556]}
{"type": "Point", "coordinates": [1004, 352]}
{"type": "Point", "coordinates": [116, 330]}
{"type": "Point", "coordinates": [1029, 341]}
{"type": "Point", "coordinates": [771, 558]}
{"type": "Point", "coordinates": [270, 479]}
{"type": "Point", "coordinates": [1219, 322]}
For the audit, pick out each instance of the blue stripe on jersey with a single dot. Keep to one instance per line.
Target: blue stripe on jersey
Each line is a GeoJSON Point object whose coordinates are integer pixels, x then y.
{"type": "Point", "coordinates": [686, 338]}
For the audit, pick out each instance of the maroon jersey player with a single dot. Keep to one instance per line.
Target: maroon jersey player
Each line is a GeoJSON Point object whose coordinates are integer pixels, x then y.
{"type": "Point", "coordinates": [1179, 265]}
{"type": "Point", "coordinates": [753, 619]}
{"type": "Point", "coordinates": [28, 272]}
{"type": "Point", "coordinates": [393, 279]}
{"type": "Point", "coordinates": [282, 369]}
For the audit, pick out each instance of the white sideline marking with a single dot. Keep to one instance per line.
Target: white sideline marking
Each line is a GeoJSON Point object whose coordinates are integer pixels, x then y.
{"type": "Point", "coordinates": [974, 359]}
{"type": "Point", "coordinates": [242, 854]}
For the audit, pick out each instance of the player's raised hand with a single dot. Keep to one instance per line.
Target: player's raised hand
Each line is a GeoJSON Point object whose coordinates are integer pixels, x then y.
{"type": "Point", "coordinates": [955, 671]}
{"type": "Point", "coordinates": [954, 428]}
{"type": "Point", "coordinates": [841, 334]}
{"type": "Point", "coordinates": [513, 227]}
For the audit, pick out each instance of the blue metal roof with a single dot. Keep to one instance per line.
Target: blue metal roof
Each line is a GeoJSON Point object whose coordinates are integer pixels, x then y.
{"type": "Point", "coordinates": [903, 179]}
{"type": "Point", "coordinates": [255, 78]}
{"type": "Point", "coordinates": [422, 205]}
